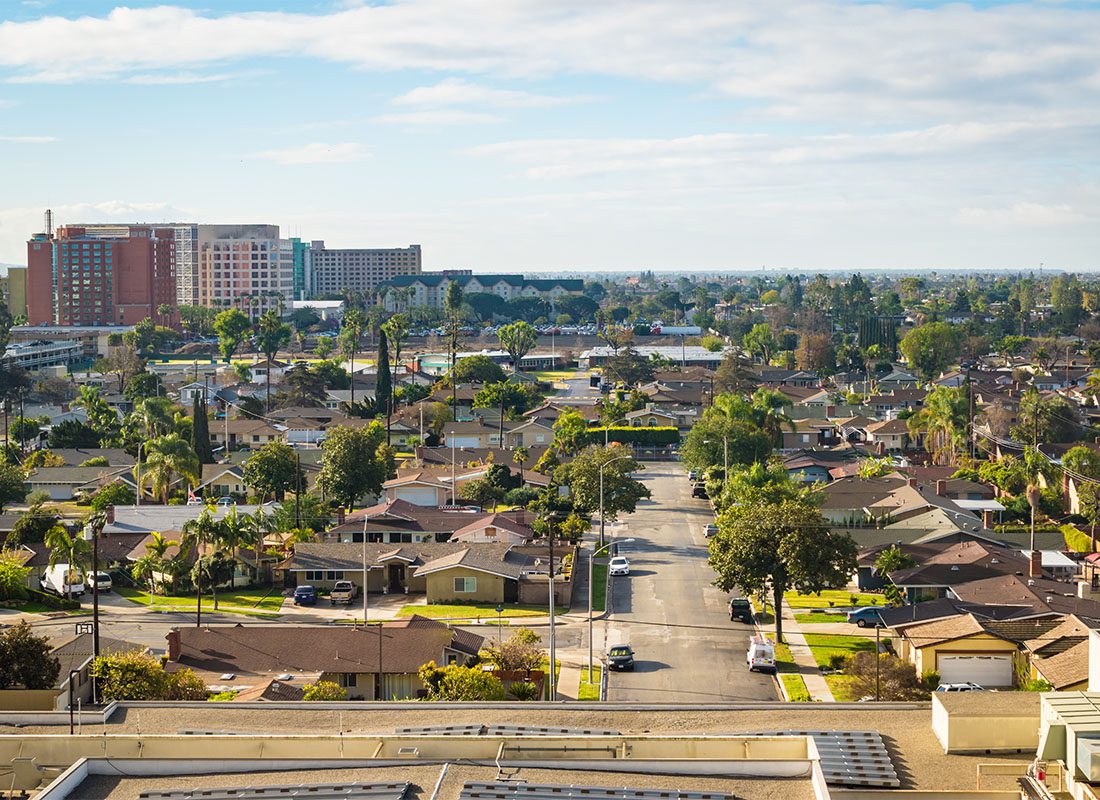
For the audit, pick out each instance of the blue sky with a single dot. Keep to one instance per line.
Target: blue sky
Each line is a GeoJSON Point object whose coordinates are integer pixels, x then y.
{"type": "Point", "coordinates": [539, 135]}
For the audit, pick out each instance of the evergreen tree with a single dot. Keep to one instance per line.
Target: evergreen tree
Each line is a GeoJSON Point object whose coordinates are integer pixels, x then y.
{"type": "Point", "coordinates": [200, 431]}
{"type": "Point", "coordinates": [383, 393]}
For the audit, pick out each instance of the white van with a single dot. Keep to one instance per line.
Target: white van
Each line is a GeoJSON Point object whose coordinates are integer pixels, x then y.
{"type": "Point", "coordinates": [761, 655]}
{"type": "Point", "coordinates": [63, 581]}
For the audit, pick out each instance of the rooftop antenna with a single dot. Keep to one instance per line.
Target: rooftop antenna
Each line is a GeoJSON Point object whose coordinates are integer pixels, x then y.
{"type": "Point", "coordinates": [49, 223]}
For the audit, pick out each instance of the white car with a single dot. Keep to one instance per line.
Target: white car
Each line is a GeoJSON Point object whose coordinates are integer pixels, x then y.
{"type": "Point", "coordinates": [618, 566]}
{"type": "Point", "coordinates": [100, 580]}
{"type": "Point", "coordinates": [968, 686]}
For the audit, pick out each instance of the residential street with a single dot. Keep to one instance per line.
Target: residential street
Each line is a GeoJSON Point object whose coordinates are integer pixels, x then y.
{"type": "Point", "coordinates": [687, 649]}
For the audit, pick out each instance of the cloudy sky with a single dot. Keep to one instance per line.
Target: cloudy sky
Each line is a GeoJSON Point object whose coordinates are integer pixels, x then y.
{"type": "Point", "coordinates": [565, 134]}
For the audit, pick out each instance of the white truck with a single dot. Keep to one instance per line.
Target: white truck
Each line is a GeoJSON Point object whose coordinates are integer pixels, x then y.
{"type": "Point", "coordinates": [63, 581]}
{"type": "Point", "coordinates": [342, 592]}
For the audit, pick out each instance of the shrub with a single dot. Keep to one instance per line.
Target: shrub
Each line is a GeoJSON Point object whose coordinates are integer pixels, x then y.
{"type": "Point", "coordinates": [96, 461]}
{"type": "Point", "coordinates": [930, 680]}
{"type": "Point", "coordinates": [653, 437]}
{"type": "Point", "coordinates": [837, 661]}
{"type": "Point", "coordinates": [140, 676]}
{"type": "Point", "coordinates": [323, 690]}
{"type": "Point", "coordinates": [524, 691]}
{"type": "Point", "coordinates": [896, 679]}
{"type": "Point", "coordinates": [223, 697]}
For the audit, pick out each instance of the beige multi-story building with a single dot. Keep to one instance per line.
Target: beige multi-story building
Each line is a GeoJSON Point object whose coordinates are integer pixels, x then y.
{"type": "Point", "coordinates": [244, 266]}
{"type": "Point", "coordinates": [362, 270]}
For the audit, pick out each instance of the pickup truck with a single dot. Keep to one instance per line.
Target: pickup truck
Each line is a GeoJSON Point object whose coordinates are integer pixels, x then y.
{"type": "Point", "coordinates": [342, 592]}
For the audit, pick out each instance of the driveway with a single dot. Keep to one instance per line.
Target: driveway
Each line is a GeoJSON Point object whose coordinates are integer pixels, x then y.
{"type": "Point", "coordinates": [687, 649]}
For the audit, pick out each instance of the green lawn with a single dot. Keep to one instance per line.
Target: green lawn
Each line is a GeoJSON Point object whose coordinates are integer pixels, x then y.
{"type": "Point", "coordinates": [823, 645]}
{"type": "Point", "coordinates": [784, 661]}
{"type": "Point", "coordinates": [261, 602]}
{"type": "Point", "coordinates": [599, 587]}
{"type": "Point", "coordinates": [473, 611]}
{"type": "Point", "coordinates": [32, 607]}
{"type": "Point", "coordinates": [796, 688]}
{"type": "Point", "coordinates": [590, 690]}
{"type": "Point", "coordinates": [842, 687]}
{"type": "Point", "coordinates": [819, 616]}
{"type": "Point", "coordinates": [828, 598]}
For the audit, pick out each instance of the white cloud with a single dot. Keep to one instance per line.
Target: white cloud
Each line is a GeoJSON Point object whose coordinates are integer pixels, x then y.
{"type": "Point", "coordinates": [1032, 215]}
{"type": "Point", "coordinates": [174, 78]}
{"type": "Point", "coordinates": [315, 153]}
{"type": "Point", "coordinates": [431, 118]}
{"type": "Point", "coordinates": [29, 139]}
{"type": "Point", "coordinates": [457, 92]}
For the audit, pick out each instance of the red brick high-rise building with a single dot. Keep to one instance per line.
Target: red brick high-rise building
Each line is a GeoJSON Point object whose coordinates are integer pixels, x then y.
{"type": "Point", "coordinates": [116, 276]}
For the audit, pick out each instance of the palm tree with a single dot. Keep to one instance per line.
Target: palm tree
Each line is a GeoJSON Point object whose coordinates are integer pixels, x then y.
{"type": "Point", "coordinates": [519, 458]}
{"type": "Point", "coordinates": [943, 420]}
{"type": "Point", "coordinates": [198, 532]}
{"type": "Point", "coordinates": [351, 333]}
{"type": "Point", "coordinates": [153, 416]}
{"type": "Point", "coordinates": [167, 457]}
{"type": "Point", "coordinates": [396, 329]}
{"type": "Point", "coordinates": [144, 568]}
{"type": "Point", "coordinates": [767, 405]}
{"type": "Point", "coordinates": [452, 304]}
{"type": "Point", "coordinates": [231, 534]}
{"type": "Point", "coordinates": [257, 525]}
{"type": "Point", "coordinates": [67, 547]}
{"type": "Point", "coordinates": [271, 334]}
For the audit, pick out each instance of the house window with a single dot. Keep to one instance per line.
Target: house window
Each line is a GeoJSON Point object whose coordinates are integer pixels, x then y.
{"type": "Point", "coordinates": [347, 680]}
{"type": "Point", "coordinates": [314, 575]}
{"type": "Point", "coordinates": [465, 585]}
{"type": "Point", "coordinates": [334, 575]}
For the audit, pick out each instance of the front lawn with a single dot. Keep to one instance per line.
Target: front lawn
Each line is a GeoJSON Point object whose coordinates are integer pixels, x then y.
{"type": "Point", "coordinates": [796, 688]}
{"type": "Point", "coordinates": [238, 601]}
{"type": "Point", "coordinates": [842, 687]}
{"type": "Point", "coordinates": [478, 611]}
{"type": "Point", "coordinates": [824, 645]}
{"type": "Point", "coordinates": [551, 375]}
{"type": "Point", "coordinates": [784, 661]}
{"type": "Point", "coordinates": [829, 598]}
{"type": "Point", "coordinates": [590, 690]}
{"type": "Point", "coordinates": [819, 616]}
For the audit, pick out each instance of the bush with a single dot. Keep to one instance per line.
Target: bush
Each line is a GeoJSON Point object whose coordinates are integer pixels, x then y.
{"type": "Point", "coordinates": [650, 437]}
{"type": "Point", "coordinates": [52, 600]}
{"type": "Point", "coordinates": [113, 494]}
{"type": "Point", "coordinates": [223, 697]}
{"type": "Point", "coordinates": [896, 679]}
{"type": "Point", "coordinates": [930, 680]}
{"type": "Point", "coordinates": [524, 691]}
{"type": "Point", "coordinates": [837, 661]}
{"type": "Point", "coordinates": [521, 496]}
{"type": "Point", "coordinates": [323, 690]}
{"type": "Point", "coordinates": [140, 676]}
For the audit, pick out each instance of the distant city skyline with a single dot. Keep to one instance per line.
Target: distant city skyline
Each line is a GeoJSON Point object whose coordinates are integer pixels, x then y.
{"type": "Point", "coordinates": [524, 136]}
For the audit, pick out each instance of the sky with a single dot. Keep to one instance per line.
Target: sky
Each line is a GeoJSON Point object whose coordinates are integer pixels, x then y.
{"type": "Point", "coordinates": [547, 135]}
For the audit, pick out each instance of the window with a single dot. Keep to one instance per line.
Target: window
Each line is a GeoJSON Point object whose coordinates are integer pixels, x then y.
{"type": "Point", "coordinates": [465, 585]}
{"type": "Point", "coordinates": [347, 680]}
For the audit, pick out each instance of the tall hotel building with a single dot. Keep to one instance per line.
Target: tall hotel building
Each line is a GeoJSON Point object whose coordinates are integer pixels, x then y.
{"type": "Point", "coordinates": [334, 270]}
{"type": "Point", "coordinates": [246, 267]}
{"type": "Point", "coordinates": [102, 275]}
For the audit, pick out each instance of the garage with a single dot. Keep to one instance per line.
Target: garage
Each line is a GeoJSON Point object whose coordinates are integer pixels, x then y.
{"type": "Point", "coordinates": [418, 495]}
{"type": "Point", "coordinates": [985, 670]}
{"type": "Point", "coordinates": [465, 441]}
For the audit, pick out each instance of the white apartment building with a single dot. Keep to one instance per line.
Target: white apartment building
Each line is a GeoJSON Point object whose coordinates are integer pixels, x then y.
{"type": "Point", "coordinates": [331, 271]}
{"type": "Point", "coordinates": [430, 289]}
{"type": "Point", "coordinates": [244, 266]}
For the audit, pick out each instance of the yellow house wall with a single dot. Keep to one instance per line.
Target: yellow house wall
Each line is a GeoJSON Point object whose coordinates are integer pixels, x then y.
{"type": "Point", "coordinates": [440, 587]}
{"type": "Point", "coordinates": [926, 658]}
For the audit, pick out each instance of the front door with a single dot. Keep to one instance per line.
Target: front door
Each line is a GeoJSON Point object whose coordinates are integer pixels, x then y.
{"type": "Point", "coordinates": [396, 577]}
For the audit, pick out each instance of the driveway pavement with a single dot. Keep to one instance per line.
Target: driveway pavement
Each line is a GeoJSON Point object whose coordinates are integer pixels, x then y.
{"type": "Point", "coordinates": [687, 649]}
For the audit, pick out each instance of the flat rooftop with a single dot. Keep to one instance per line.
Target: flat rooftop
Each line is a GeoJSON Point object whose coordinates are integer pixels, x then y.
{"type": "Point", "coordinates": [423, 780]}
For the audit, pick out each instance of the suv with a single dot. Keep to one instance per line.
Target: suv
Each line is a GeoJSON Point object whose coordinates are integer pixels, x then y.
{"type": "Point", "coordinates": [699, 490]}
{"type": "Point", "coordinates": [101, 581]}
{"type": "Point", "coordinates": [342, 592]}
{"type": "Point", "coordinates": [305, 596]}
{"type": "Point", "coordinates": [740, 609]}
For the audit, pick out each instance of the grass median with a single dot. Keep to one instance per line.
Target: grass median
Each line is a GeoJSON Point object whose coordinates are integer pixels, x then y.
{"type": "Point", "coordinates": [829, 598]}
{"type": "Point", "coordinates": [825, 645]}
{"type": "Point", "coordinates": [795, 686]}
{"type": "Point", "coordinates": [599, 587]}
{"type": "Point", "coordinates": [590, 689]}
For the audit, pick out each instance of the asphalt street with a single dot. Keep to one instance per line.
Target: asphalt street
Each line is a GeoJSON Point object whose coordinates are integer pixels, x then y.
{"type": "Point", "coordinates": [687, 650]}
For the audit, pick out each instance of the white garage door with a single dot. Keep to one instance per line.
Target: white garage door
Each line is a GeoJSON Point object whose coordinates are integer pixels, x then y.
{"type": "Point", "coordinates": [465, 441]}
{"type": "Point", "coordinates": [418, 495]}
{"type": "Point", "coordinates": [983, 670]}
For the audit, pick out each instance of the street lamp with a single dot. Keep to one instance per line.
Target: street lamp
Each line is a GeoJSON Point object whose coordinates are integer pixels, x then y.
{"type": "Point", "coordinates": [91, 534]}
{"type": "Point", "coordinates": [591, 561]}
{"type": "Point", "coordinates": [602, 468]}
{"type": "Point", "coordinates": [500, 624]}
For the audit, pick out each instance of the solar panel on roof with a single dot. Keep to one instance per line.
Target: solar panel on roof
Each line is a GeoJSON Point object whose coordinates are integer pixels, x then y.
{"type": "Point", "coordinates": [851, 758]}
{"type": "Point", "coordinates": [316, 791]}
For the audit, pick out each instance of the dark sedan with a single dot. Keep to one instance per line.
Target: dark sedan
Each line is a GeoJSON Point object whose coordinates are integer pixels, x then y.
{"type": "Point", "coordinates": [620, 657]}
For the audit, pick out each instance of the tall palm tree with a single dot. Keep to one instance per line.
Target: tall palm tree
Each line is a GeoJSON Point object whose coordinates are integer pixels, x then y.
{"type": "Point", "coordinates": [231, 534]}
{"type": "Point", "coordinates": [452, 305]}
{"type": "Point", "coordinates": [153, 416]}
{"type": "Point", "coordinates": [944, 421]}
{"type": "Point", "coordinates": [197, 533]}
{"type": "Point", "coordinates": [271, 334]}
{"type": "Point", "coordinates": [396, 329]}
{"type": "Point", "coordinates": [67, 547]}
{"type": "Point", "coordinates": [167, 457]}
{"type": "Point", "coordinates": [519, 457]}
{"type": "Point", "coordinates": [767, 406]}
{"type": "Point", "coordinates": [350, 334]}
{"type": "Point", "coordinates": [257, 525]}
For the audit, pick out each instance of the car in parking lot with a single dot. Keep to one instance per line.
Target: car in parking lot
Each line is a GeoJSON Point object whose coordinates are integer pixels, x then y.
{"type": "Point", "coordinates": [620, 657]}
{"type": "Point", "coordinates": [305, 596]}
{"type": "Point", "coordinates": [618, 566]}
{"type": "Point", "coordinates": [710, 530]}
{"type": "Point", "coordinates": [865, 616]}
{"type": "Point", "coordinates": [966, 686]}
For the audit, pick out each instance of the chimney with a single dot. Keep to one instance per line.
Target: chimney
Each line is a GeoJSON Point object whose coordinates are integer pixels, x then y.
{"type": "Point", "coordinates": [341, 515]}
{"type": "Point", "coordinates": [1036, 567]}
{"type": "Point", "coordinates": [987, 519]}
{"type": "Point", "coordinates": [110, 510]}
{"type": "Point", "coordinates": [912, 482]}
{"type": "Point", "coordinates": [941, 488]}
{"type": "Point", "coordinates": [174, 644]}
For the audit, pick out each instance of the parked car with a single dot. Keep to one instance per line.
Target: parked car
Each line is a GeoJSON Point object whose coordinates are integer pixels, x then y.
{"type": "Point", "coordinates": [101, 581]}
{"type": "Point", "coordinates": [967, 686]}
{"type": "Point", "coordinates": [865, 616]}
{"type": "Point", "coordinates": [710, 530]}
{"type": "Point", "coordinates": [693, 476]}
{"type": "Point", "coordinates": [618, 566]}
{"type": "Point", "coordinates": [63, 581]}
{"type": "Point", "coordinates": [305, 596]}
{"type": "Point", "coordinates": [226, 501]}
{"type": "Point", "coordinates": [342, 592]}
{"type": "Point", "coordinates": [761, 655]}
{"type": "Point", "coordinates": [699, 490]}
{"type": "Point", "coordinates": [740, 609]}
{"type": "Point", "coordinates": [620, 657]}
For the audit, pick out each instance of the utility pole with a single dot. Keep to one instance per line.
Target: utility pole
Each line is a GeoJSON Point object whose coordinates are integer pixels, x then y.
{"type": "Point", "coordinates": [298, 490]}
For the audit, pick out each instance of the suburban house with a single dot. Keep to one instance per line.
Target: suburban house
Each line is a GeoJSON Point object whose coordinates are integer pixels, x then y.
{"type": "Point", "coordinates": [222, 480]}
{"type": "Point", "coordinates": [402, 522]}
{"type": "Point", "coordinates": [890, 436]}
{"type": "Point", "coordinates": [809, 434]}
{"type": "Point", "coordinates": [373, 662]}
{"type": "Point", "coordinates": [419, 488]}
{"type": "Point", "coordinates": [67, 483]}
{"type": "Point", "coordinates": [495, 528]}
{"type": "Point", "coordinates": [652, 417]}
{"type": "Point", "coordinates": [249, 434]}
{"type": "Point", "coordinates": [531, 433]}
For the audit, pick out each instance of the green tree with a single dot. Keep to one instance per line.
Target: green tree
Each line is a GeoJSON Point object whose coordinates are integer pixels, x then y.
{"type": "Point", "coordinates": [213, 570]}
{"type": "Point", "coordinates": [134, 675]}
{"type": "Point", "coordinates": [151, 417]}
{"type": "Point", "coordinates": [477, 369]}
{"type": "Point", "coordinates": [323, 347]}
{"type": "Point", "coordinates": [316, 514]}
{"type": "Point", "coordinates": [32, 525]}
{"type": "Point", "coordinates": [200, 431]}
{"type": "Point", "coordinates": [780, 546]}
{"type": "Point", "coordinates": [893, 559]}
{"type": "Point", "coordinates": [760, 342]}
{"type": "Point", "coordinates": [481, 492]}
{"type": "Point", "coordinates": [383, 392]}
{"type": "Point", "coordinates": [232, 329]}
{"type": "Point", "coordinates": [460, 683]}
{"type": "Point", "coordinates": [452, 308]}
{"type": "Point", "coordinates": [13, 575]}
{"type": "Point", "coordinates": [124, 362]}
{"type": "Point", "coordinates": [944, 421]}
{"type": "Point", "coordinates": [582, 476]}
{"type": "Point", "coordinates": [143, 384]}
{"type": "Point", "coordinates": [72, 433]}
{"type": "Point", "coordinates": [1082, 461]}
{"type": "Point", "coordinates": [629, 367]}
{"type": "Point", "coordinates": [570, 431]}
{"type": "Point", "coordinates": [113, 494]}
{"type": "Point", "coordinates": [931, 347]}
{"type": "Point", "coordinates": [355, 462]}
{"type": "Point", "coordinates": [1045, 419]}
{"type": "Point", "coordinates": [25, 659]}
{"type": "Point", "coordinates": [516, 398]}
{"type": "Point", "coordinates": [271, 335]}
{"type": "Point", "coordinates": [12, 487]}
{"type": "Point", "coordinates": [67, 547]}
{"type": "Point", "coordinates": [306, 386]}
{"type": "Point", "coordinates": [767, 411]}
{"type": "Point", "coordinates": [397, 332]}
{"type": "Point", "coordinates": [1088, 501]}
{"type": "Point", "coordinates": [518, 339]}
{"type": "Point", "coordinates": [273, 471]}
{"type": "Point", "coordinates": [323, 691]}
{"type": "Point", "coordinates": [167, 457]}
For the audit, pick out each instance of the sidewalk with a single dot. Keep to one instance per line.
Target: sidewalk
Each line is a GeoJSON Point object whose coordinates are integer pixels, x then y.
{"type": "Point", "coordinates": [804, 658]}
{"type": "Point", "coordinates": [569, 681]}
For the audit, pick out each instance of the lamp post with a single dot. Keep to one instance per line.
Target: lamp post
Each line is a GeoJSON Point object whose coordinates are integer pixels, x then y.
{"type": "Point", "coordinates": [91, 534]}
{"type": "Point", "coordinates": [451, 436]}
{"type": "Point", "coordinates": [500, 624]}
{"type": "Point", "coordinates": [591, 561]}
{"type": "Point", "coordinates": [603, 466]}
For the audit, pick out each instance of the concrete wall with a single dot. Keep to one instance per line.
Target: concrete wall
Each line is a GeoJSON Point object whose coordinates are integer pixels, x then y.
{"type": "Point", "coordinates": [29, 699]}
{"type": "Point", "coordinates": [440, 587]}
{"type": "Point", "coordinates": [978, 730]}
{"type": "Point", "coordinates": [535, 590]}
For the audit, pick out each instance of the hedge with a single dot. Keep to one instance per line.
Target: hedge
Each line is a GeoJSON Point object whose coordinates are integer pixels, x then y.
{"type": "Point", "coordinates": [651, 436]}
{"type": "Point", "coordinates": [1076, 540]}
{"type": "Point", "coordinates": [52, 600]}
